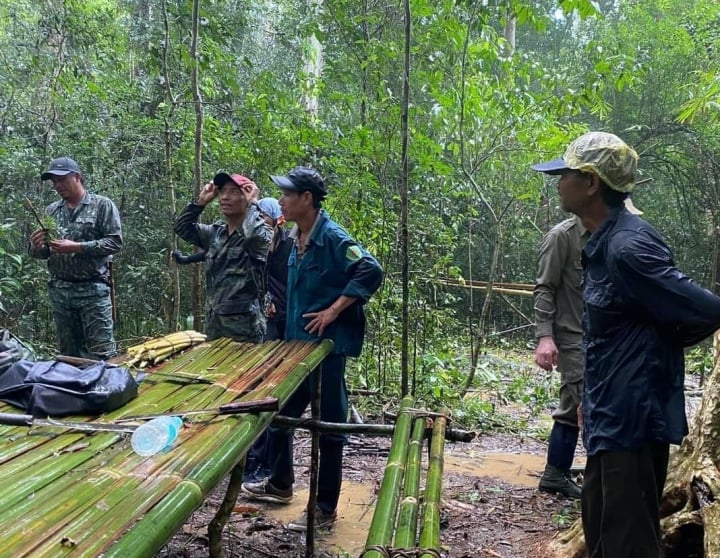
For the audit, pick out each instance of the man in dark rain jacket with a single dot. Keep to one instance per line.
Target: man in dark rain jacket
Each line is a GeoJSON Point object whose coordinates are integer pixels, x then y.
{"type": "Point", "coordinates": [330, 278]}
{"type": "Point", "coordinates": [639, 313]}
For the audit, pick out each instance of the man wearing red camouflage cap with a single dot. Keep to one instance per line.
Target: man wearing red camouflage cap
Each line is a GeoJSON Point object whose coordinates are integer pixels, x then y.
{"type": "Point", "coordinates": [236, 249]}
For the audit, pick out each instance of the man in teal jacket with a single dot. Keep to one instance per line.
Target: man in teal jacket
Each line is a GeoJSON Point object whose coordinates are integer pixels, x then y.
{"type": "Point", "coordinates": [330, 278]}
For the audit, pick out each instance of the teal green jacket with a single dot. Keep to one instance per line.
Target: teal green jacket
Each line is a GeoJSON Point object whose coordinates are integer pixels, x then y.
{"type": "Point", "coordinates": [334, 264]}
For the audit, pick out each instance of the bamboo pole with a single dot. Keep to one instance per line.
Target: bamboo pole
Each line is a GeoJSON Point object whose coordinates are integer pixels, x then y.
{"type": "Point", "coordinates": [430, 531]}
{"type": "Point", "coordinates": [383, 521]}
{"type": "Point", "coordinates": [368, 429]}
{"type": "Point", "coordinates": [150, 532]}
{"type": "Point", "coordinates": [482, 284]}
{"type": "Point", "coordinates": [316, 383]}
{"type": "Point", "coordinates": [46, 501]}
{"type": "Point", "coordinates": [45, 470]}
{"type": "Point", "coordinates": [406, 529]}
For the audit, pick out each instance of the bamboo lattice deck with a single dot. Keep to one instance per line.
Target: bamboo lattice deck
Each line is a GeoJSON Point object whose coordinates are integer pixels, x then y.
{"type": "Point", "coordinates": [70, 493]}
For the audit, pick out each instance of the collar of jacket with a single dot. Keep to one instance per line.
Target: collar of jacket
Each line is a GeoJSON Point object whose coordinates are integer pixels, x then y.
{"type": "Point", "coordinates": [316, 232]}
{"type": "Point", "coordinates": [597, 238]}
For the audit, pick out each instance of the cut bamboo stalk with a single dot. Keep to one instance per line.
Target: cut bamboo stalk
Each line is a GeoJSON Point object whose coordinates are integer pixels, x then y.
{"type": "Point", "coordinates": [19, 485]}
{"type": "Point", "coordinates": [149, 533]}
{"type": "Point", "coordinates": [430, 531]}
{"type": "Point", "coordinates": [383, 521]}
{"type": "Point", "coordinates": [406, 528]}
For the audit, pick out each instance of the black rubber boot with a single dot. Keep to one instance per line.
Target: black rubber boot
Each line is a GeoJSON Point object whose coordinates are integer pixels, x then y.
{"type": "Point", "coordinates": [558, 482]}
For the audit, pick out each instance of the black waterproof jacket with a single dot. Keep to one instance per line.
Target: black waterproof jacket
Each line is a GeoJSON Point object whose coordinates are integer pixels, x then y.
{"type": "Point", "coordinates": [639, 313]}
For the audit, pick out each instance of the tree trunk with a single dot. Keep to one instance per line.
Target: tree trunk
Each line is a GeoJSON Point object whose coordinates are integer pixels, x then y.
{"type": "Point", "coordinates": [197, 103]}
{"type": "Point", "coordinates": [690, 506]}
{"type": "Point", "coordinates": [313, 65]}
{"type": "Point", "coordinates": [172, 311]}
{"type": "Point", "coordinates": [404, 208]}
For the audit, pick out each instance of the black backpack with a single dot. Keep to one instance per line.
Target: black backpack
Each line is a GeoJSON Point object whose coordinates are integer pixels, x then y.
{"type": "Point", "coordinates": [51, 388]}
{"type": "Point", "coordinates": [12, 350]}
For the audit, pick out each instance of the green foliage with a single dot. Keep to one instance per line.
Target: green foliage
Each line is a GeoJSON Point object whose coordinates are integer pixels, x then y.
{"type": "Point", "coordinates": [108, 83]}
{"type": "Point", "coordinates": [699, 361]}
{"type": "Point", "coordinates": [567, 515]}
{"type": "Point", "coordinates": [10, 264]}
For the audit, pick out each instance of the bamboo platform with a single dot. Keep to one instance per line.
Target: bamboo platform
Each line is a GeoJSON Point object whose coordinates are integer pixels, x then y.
{"type": "Point", "coordinates": [71, 493]}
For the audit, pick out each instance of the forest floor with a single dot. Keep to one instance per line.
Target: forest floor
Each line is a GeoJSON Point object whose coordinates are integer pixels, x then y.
{"type": "Point", "coordinates": [491, 506]}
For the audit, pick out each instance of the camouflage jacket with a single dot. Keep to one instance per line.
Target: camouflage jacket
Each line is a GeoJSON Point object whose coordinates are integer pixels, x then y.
{"type": "Point", "coordinates": [234, 262]}
{"type": "Point", "coordinates": [95, 224]}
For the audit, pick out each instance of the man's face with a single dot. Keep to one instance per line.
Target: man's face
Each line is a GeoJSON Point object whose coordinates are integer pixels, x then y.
{"type": "Point", "coordinates": [295, 204]}
{"type": "Point", "coordinates": [233, 200]}
{"type": "Point", "coordinates": [66, 186]}
{"type": "Point", "coordinates": [572, 190]}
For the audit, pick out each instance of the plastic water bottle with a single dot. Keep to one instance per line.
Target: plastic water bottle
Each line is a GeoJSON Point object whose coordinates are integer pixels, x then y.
{"type": "Point", "coordinates": [155, 435]}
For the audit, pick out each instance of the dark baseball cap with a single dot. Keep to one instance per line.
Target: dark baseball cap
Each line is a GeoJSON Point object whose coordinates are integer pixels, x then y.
{"type": "Point", "coordinates": [60, 167]}
{"type": "Point", "coordinates": [302, 179]}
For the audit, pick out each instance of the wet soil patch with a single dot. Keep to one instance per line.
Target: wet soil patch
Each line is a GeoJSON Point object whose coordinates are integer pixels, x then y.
{"type": "Point", "coordinates": [491, 507]}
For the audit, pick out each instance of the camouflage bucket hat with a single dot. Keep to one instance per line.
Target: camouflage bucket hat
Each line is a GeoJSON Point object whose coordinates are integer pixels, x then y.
{"type": "Point", "coordinates": [614, 161]}
{"type": "Point", "coordinates": [607, 156]}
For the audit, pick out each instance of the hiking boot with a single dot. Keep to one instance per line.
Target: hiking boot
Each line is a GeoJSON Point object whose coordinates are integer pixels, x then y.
{"type": "Point", "coordinates": [264, 490]}
{"type": "Point", "coordinates": [555, 481]}
{"type": "Point", "coordinates": [322, 521]}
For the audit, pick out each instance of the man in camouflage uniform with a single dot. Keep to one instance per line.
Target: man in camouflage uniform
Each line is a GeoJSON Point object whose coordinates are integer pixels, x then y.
{"type": "Point", "coordinates": [236, 252]}
{"type": "Point", "coordinates": [79, 251]}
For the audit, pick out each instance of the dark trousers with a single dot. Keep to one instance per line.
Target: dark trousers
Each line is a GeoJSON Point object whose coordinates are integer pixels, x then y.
{"type": "Point", "coordinates": [621, 494]}
{"type": "Point", "coordinates": [259, 457]}
{"type": "Point", "coordinates": [333, 408]}
{"type": "Point", "coordinates": [561, 446]}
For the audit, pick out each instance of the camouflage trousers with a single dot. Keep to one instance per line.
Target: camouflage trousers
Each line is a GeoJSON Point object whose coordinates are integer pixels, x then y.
{"type": "Point", "coordinates": [83, 319]}
{"type": "Point", "coordinates": [241, 322]}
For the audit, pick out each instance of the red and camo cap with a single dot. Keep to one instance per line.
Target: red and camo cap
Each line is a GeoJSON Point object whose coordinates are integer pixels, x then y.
{"type": "Point", "coordinates": [222, 178]}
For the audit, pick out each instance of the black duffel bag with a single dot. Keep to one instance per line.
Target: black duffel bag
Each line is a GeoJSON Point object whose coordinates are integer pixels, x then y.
{"type": "Point", "coordinates": [52, 388]}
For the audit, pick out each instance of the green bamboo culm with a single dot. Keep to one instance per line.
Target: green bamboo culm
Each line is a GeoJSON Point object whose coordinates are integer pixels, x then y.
{"type": "Point", "coordinates": [430, 531]}
{"type": "Point", "coordinates": [383, 521]}
{"type": "Point", "coordinates": [406, 529]}
{"type": "Point", "coordinates": [86, 493]}
{"type": "Point", "coordinates": [158, 525]}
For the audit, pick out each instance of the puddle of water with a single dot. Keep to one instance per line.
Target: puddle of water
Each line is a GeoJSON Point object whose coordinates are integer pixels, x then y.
{"type": "Point", "coordinates": [355, 509]}
{"type": "Point", "coordinates": [357, 501]}
{"type": "Point", "coordinates": [521, 469]}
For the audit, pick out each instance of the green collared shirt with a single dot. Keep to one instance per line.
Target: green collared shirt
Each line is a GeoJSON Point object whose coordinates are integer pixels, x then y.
{"type": "Point", "coordinates": [557, 293]}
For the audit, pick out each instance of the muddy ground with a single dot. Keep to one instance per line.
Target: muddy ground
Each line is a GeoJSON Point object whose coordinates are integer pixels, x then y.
{"type": "Point", "coordinates": [491, 507]}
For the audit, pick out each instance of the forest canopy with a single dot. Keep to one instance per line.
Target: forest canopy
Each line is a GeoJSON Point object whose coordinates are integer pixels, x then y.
{"type": "Point", "coordinates": [152, 101]}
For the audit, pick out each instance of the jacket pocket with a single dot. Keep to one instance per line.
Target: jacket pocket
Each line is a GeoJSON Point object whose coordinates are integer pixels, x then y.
{"type": "Point", "coordinates": [83, 228]}
{"type": "Point", "coordinates": [237, 307]}
{"type": "Point", "coordinates": [600, 315]}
